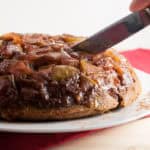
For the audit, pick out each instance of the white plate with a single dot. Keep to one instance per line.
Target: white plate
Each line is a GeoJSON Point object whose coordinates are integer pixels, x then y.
{"type": "Point", "coordinates": [110, 119]}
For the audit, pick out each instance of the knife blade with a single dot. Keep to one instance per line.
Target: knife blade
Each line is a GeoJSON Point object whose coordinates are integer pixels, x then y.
{"type": "Point", "coordinates": [115, 33]}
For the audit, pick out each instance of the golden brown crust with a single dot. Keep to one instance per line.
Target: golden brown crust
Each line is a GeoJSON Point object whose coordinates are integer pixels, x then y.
{"type": "Point", "coordinates": [132, 92]}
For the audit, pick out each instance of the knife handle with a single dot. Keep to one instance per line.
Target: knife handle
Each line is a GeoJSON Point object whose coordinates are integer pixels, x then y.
{"type": "Point", "coordinates": [137, 20]}
{"type": "Point", "coordinates": [145, 16]}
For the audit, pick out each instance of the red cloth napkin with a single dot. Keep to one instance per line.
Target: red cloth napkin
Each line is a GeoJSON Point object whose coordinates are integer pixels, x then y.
{"type": "Point", "coordinates": [139, 58]}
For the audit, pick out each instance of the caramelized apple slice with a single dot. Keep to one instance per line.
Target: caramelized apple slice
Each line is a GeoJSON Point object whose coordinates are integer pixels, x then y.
{"type": "Point", "coordinates": [62, 72]}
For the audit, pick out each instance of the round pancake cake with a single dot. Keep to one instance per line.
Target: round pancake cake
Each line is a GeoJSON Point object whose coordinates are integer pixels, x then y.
{"type": "Point", "coordinates": [42, 78]}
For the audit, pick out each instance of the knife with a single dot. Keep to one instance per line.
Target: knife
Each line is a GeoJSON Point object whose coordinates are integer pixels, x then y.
{"type": "Point", "coordinates": [115, 33]}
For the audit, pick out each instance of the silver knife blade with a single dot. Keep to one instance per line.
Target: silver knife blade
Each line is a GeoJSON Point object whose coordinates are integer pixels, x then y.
{"type": "Point", "coordinates": [115, 33]}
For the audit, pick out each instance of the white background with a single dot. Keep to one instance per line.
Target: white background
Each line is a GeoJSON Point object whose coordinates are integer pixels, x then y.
{"type": "Point", "coordinates": [79, 17]}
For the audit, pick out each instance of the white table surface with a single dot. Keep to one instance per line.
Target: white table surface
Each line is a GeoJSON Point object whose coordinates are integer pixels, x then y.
{"type": "Point", "coordinates": [81, 17]}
